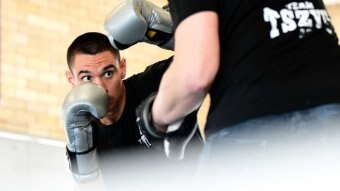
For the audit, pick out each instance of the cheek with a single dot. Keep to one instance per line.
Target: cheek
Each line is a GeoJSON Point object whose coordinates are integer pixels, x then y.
{"type": "Point", "coordinates": [114, 87]}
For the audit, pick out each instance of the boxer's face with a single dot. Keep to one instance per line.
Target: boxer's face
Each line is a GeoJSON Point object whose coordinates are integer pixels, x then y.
{"type": "Point", "coordinates": [104, 69]}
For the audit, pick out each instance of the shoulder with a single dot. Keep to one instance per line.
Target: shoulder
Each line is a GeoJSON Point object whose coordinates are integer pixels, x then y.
{"type": "Point", "coordinates": [160, 65]}
{"type": "Point", "coordinates": [153, 73]}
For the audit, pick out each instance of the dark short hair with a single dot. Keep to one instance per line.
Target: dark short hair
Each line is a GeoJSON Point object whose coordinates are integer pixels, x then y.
{"type": "Point", "coordinates": [89, 43]}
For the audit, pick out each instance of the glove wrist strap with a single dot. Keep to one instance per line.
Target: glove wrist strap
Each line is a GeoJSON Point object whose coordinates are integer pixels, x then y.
{"type": "Point", "coordinates": [84, 167]}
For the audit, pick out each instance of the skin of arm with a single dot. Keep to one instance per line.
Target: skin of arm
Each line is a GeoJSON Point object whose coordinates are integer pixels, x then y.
{"type": "Point", "coordinates": [189, 77]}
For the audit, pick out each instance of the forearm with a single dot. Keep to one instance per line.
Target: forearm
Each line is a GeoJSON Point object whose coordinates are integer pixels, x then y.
{"type": "Point", "coordinates": [178, 96]}
{"type": "Point", "coordinates": [190, 75]}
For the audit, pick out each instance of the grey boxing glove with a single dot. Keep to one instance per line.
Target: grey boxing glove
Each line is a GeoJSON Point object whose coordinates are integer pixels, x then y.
{"type": "Point", "coordinates": [81, 107]}
{"type": "Point", "coordinates": [136, 21]}
{"type": "Point", "coordinates": [177, 135]}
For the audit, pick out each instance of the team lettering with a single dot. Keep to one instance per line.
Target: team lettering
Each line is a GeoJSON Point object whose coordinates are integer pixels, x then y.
{"type": "Point", "coordinates": [296, 15]}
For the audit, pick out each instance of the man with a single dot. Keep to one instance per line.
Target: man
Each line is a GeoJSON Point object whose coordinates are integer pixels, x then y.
{"type": "Point", "coordinates": [117, 138]}
{"type": "Point", "coordinates": [91, 58]}
{"type": "Point", "coordinates": [272, 71]}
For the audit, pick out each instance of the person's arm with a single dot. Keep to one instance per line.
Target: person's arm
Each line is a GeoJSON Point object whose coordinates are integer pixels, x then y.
{"type": "Point", "coordinates": [186, 82]}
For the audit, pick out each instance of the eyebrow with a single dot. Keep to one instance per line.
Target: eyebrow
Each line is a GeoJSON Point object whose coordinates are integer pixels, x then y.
{"type": "Point", "coordinates": [87, 71]}
{"type": "Point", "coordinates": [83, 72]}
{"type": "Point", "coordinates": [108, 67]}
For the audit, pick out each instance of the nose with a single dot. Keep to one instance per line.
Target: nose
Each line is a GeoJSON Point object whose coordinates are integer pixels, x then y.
{"type": "Point", "coordinates": [101, 84]}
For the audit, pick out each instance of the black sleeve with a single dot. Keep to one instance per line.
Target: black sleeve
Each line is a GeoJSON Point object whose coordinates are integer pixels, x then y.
{"type": "Point", "coordinates": [154, 72]}
{"type": "Point", "coordinates": [180, 9]}
{"type": "Point", "coordinates": [141, 85]}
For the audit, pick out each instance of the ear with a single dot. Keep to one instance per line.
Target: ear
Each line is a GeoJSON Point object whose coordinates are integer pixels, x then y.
{"type": "Point", "coordinates": [123, 67]}
{"type": "Point", "coordinates": [69, 77]}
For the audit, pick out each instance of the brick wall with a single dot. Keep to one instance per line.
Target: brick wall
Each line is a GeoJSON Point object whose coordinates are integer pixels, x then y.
{"type": "Point", "coordinates": [34, 37]}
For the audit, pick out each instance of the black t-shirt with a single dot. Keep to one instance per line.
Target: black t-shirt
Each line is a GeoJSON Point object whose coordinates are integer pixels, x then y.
{"type": "Point", "coordinates": [124, 134]}
{"type": "Point", "coordinates": [276, 56]}
{"type": "Point", "coordinates": [121, 155]}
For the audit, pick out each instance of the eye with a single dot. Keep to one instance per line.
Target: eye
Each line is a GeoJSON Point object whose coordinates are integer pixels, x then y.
{"type": "Point", "coordinates": [108, 74]}
{"type": "Point", "coordinates": [86, 78]}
